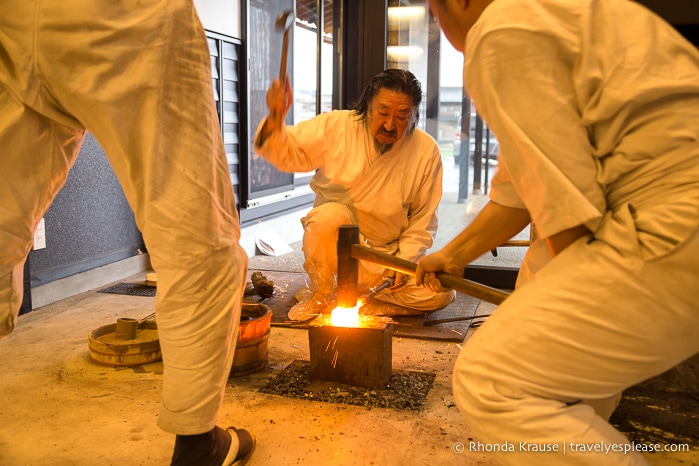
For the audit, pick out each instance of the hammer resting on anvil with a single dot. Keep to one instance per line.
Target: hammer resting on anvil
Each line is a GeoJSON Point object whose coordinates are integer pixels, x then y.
{"type": "Point", "coordinates": [349, 251]}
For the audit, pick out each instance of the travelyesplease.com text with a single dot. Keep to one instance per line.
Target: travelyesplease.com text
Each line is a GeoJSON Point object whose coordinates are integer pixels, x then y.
{"type": "Point", "coordinates": [569, 447]}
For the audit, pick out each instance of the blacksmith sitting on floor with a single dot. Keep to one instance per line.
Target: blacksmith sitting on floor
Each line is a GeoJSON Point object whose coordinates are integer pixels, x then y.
{"type": "Point", "coordinates": [374, 169]}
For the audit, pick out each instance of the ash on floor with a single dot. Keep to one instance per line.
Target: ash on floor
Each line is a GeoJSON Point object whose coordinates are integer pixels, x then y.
{"type": "Point", "coordinates": [652, 416]}
{"type": "Point", "coordinates": [404, 390]}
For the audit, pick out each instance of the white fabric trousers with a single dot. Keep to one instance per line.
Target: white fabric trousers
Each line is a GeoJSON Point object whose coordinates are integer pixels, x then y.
{"type": "Point", "coordinates": [136, 74]}
{"type": "Point", "coordinates": [321, 227]}
{"type": "Point", "coordinates": [590, 324]}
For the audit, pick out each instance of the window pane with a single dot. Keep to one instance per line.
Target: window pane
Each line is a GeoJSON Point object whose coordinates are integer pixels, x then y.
{"type": "Point", "coordinates": [326, 59]}
{"type": "Point", "coordinates": [407, 41]}
{"type": "Point", "coordinates": [305, 60]}
{"type": "Point", "coordinates": [265, 55]}
{"type": "Point", "coordinates": [308, 71]}
{"type": "Point", "coordinates": [415, 43]}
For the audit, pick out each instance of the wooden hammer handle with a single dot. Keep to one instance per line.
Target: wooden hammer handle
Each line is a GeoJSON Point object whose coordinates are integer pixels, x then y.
{"type": "Point", "coordinates": [282, 74]}
{"type": "Point", "coordinates": [282, 65]}
{"type": "Point", "coordinates": [477, 290]}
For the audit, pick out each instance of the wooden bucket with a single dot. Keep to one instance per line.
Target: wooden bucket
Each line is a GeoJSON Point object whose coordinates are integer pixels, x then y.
{"type": "Point", "coordinates": [253, 335]}
{"type": "Point", "coordinates": [107, 348]}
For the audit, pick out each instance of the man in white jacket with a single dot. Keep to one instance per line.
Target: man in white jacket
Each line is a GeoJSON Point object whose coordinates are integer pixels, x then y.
{"type": "Point", "coordinates": [137, 76]}
{"type": "Point", "coordinates": [596, 108]}
{"type": "Point", "coordinates": [375, 169]}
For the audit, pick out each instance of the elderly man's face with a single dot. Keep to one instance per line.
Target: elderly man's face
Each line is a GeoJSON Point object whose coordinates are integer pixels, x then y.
{"type": "Point", "coordinates": [389, 118]}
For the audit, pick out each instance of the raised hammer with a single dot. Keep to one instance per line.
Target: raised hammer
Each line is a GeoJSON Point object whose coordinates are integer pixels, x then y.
{"type": "Point", "coordinates": [283, 23]}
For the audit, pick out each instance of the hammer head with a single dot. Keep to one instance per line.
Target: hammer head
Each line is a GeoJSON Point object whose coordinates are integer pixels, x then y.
{"type": "Point", "coordinates": [284, 21]}
{"type": "Point", "coordinates": [347, 266]}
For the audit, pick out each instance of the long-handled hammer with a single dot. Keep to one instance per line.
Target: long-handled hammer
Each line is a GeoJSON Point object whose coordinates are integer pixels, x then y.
{"type": "Point", "coordinates": [283, 23]}
{"type": "Point", "coordinates": [349, 251]}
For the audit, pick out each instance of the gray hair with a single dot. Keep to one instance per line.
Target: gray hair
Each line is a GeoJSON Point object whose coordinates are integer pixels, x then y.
{"type": "Point", "coordinates": [402, 81]}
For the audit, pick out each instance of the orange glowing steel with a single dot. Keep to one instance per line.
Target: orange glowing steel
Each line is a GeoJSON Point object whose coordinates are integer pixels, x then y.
{"type": "Point", "coordinates": [345, 316]}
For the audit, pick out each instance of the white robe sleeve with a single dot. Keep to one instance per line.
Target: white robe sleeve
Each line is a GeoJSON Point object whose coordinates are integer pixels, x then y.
{"type": "Point", "coordinates": [297, 148]}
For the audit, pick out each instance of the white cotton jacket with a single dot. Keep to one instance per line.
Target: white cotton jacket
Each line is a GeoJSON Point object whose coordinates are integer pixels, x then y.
{"type": "Point", "coordinates": [597, 124]}
{"type": "Point", "coordinates": [395, 195]}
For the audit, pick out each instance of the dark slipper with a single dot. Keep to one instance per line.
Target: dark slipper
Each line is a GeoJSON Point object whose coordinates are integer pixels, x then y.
{"type": "Point", "coordinates": [246, 445]}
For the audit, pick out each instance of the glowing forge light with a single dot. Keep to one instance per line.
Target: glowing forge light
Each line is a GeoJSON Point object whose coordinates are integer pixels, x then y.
{"type": "Point", "coordinates": [345, 316]}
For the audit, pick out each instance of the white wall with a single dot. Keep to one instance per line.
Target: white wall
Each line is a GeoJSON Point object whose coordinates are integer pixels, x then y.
{"type": "Point", "coordinates": [222, 16]}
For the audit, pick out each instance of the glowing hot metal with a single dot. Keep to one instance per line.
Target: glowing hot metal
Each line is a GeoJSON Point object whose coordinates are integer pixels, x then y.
{"type": "Point", "coordinates": [345, 316]}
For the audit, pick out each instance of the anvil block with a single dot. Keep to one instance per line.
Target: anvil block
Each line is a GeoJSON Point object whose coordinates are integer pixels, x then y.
{"type": "Point", "coordinates": [360, 356]}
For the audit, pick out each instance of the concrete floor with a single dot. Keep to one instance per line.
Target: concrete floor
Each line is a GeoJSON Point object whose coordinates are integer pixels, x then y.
{"type": "Point", "coordinates": [59, 408]}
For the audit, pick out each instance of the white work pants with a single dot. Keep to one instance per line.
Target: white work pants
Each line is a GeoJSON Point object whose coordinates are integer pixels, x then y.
{"type": "Point", "coordinates": [136, 74]}
{"type": "Point", "coordinates": [321, 227]}
{"type": "Point", "coordinates": [590, 324]}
